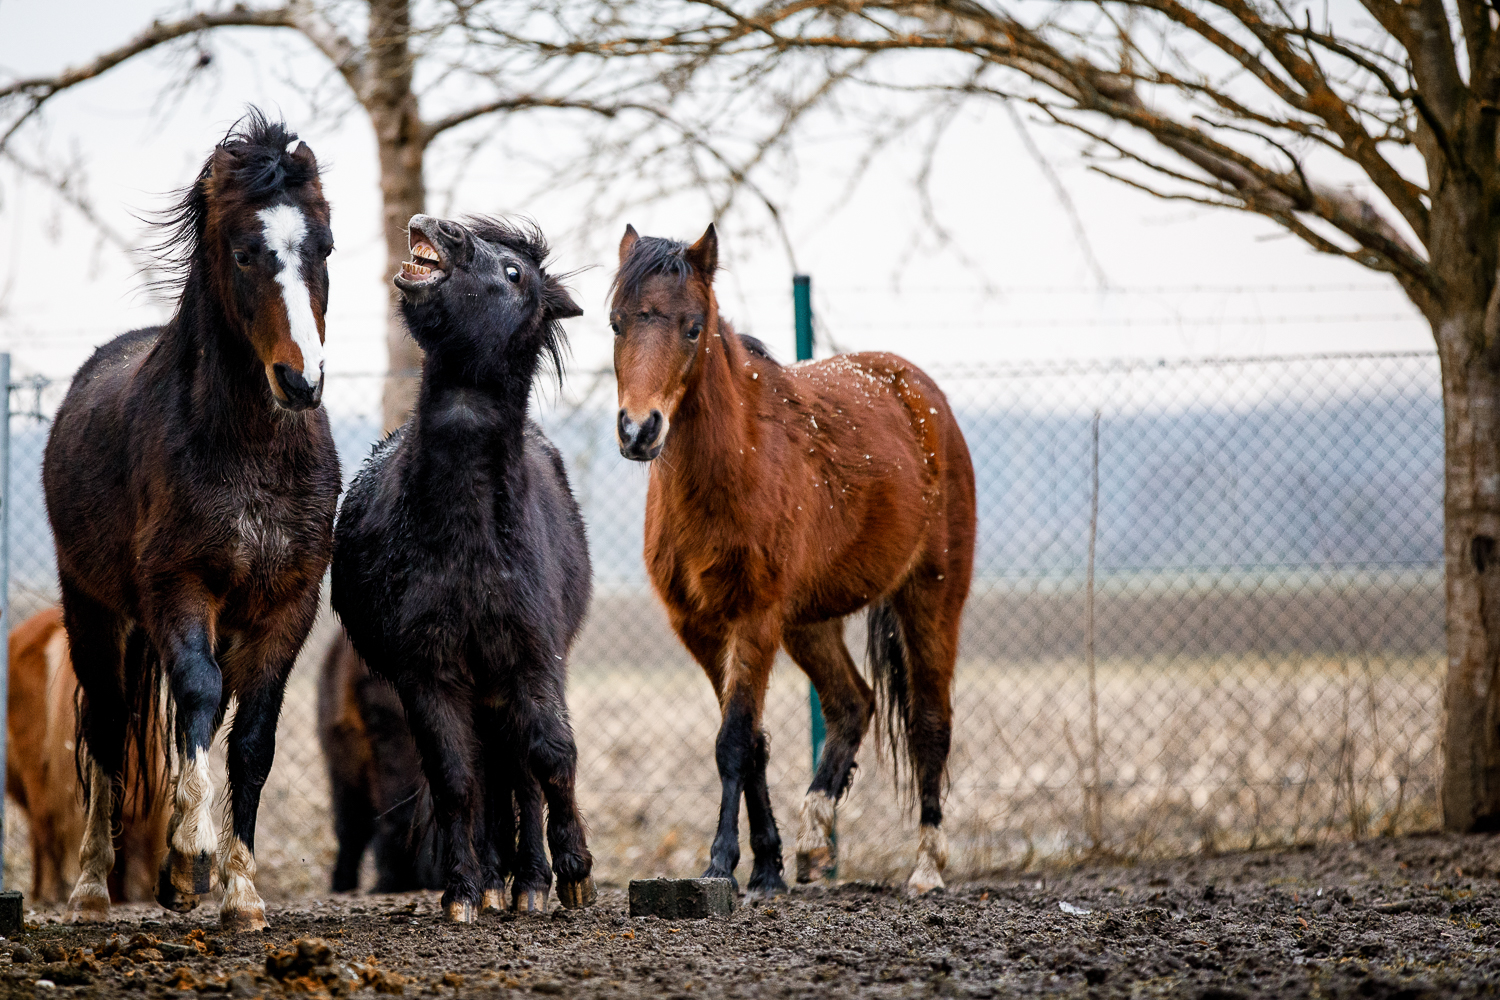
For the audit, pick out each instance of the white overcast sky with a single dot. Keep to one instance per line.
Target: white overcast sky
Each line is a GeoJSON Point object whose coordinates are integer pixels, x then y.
{"type": "Point", "coordinates": [1183, 280]}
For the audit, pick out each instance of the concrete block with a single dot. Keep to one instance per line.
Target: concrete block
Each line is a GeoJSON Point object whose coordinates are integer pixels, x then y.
{"type": "Point", "coordinates": [681, 898]}
{"type": "Point", "coordinates": [10, 913]}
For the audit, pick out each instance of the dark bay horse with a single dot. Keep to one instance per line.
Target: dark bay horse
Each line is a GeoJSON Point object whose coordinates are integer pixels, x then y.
{"type": "Point", "coordinates": [781, 500]}
{"type": "Point", "coordinates": [191, 483]}
{"type": "Point", "coordinates": [374, 779]}
{"type": "Point", "coordinates": [461, 571]}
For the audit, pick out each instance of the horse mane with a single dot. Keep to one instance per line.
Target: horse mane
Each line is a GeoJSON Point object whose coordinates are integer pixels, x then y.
{"type": "Point", "coordinates": [755, 346]}
{"type": "Point", "coordinates": [525, 237]}
{"type": "Point", "coordinates": [258, 166]}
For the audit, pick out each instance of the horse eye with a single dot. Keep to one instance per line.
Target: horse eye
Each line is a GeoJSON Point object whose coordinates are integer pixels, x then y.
{"type": "Point", "coordinates": [615, 327]}
{"type": "Point", "coordinates": [512, 273]}
{"type": "Point", "coordinates": [242, 258]}
{"type": "Point", "coordinates": [694, 330]}
{"type": "Point", "coordinates": [327, 252]}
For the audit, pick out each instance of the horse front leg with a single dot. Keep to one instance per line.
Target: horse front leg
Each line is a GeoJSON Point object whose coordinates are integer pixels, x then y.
{"type": "Point", "coordinates": [196, 684]}
{"type": "Point", "coordinates": [743, 673]}
{"type": "Point", "coordinates": [553, 760]}
{"type": "Point", "coordinates": [442, 723]}
{"type": "Point", "coordinates": [252, 750]}
{"type": "Point", "coordinates": [531, 877]}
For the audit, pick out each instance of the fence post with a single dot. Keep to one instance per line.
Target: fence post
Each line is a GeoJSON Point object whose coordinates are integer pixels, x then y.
{"type": "Point", "coordinates": [802, 309]}
{"type": "Point", "coordinates": [4, 589]}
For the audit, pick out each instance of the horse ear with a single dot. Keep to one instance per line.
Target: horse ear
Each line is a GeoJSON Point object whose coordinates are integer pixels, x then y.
{"type": "Point", "coordinates": [557, 302]}
{"type": "Point", "coordinates": [628, 241]}
{"type": "Point", "coordinates": [302, 154]}
{"type": "Point", "coordinates": [704, 255]}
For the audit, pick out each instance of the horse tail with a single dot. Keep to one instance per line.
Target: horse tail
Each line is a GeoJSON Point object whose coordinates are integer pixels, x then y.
{"type": "Point", "coordinates": [146, 724]}
{"type": "Point", "coordinates": [891, 672]}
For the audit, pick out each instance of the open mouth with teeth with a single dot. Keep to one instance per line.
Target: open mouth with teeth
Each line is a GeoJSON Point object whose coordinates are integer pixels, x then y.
{"type": "Point", "coordinates": [425, 261]}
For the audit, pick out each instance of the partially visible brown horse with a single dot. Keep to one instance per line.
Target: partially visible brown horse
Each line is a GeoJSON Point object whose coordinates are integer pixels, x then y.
{"type": "Point", "coordinates": [785, 499]}
{"type": "Point", "coordinates": [42, 777]}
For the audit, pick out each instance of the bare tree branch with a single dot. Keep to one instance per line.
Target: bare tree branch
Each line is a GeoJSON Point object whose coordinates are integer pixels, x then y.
{"type": "Point", "coordinates": [21, 99]}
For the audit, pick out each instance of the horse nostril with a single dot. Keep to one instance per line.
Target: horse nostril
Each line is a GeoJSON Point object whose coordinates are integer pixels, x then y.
{"type": "Point", "coordinates": [652, 427]}
{"type": "Point", "coordinates": [450, 230]}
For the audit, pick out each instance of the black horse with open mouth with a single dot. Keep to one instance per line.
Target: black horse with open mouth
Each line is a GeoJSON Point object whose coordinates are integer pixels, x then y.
{"type": "Point", "coordinates": [461, 570]}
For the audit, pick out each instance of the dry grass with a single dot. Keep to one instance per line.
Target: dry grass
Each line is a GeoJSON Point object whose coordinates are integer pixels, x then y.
{"type": "Point", "coordinates": [1194, 754]}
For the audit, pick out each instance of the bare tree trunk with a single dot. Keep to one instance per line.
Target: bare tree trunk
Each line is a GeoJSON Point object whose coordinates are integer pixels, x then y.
{"type": "Point", "coordinates": [1471, 549]}
{"type": "Point", "coordinates": [402, 142]}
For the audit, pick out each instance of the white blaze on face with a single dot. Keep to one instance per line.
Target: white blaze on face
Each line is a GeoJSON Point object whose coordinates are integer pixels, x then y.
{"type": "Point", "coordinates": [285, 229]}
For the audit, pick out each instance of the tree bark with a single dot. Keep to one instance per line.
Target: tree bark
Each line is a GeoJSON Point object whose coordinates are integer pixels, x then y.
{"type": "Point", "coordinates": [1471, 511]}
{"type": "Point", "coordinates": [402, 142]}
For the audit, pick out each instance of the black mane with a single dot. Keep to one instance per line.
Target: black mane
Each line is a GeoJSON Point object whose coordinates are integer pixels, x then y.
{"type": "Point", "coordinates": [259, 166]}
{"type": "Point", "coordinates": [525, 238]}
{"type": "Point", "coordinates": [756, 347]}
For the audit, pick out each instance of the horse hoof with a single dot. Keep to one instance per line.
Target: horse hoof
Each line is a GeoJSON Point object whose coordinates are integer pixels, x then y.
{"type": "Point", "coordinates": [925, 879]}
{"type": "Point", "coordinates": [170, 898]}
{"type": "Point", "coordinates": [89, 904]}
{"type": "Point", "coordinates": [192, 874]}
{"type": "Point", "coordinates": [243, 921]}
{"type": "Point", "coordinates": [461, 912]}
{"type": "Point", "coordinates": [815, 864]}
{"type": "Point", "coordinates": [494, 899]}
{"type": "Point", "coordinates": [530, 901]}
{"type": "Point", "coordinates": [577, 895]}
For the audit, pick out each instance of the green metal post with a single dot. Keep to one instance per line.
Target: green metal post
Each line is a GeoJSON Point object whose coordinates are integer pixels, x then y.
{"type": "Point", "coordinates": [802, 309]}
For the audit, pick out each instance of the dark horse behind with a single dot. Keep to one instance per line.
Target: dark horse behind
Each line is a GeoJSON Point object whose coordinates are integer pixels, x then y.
{"type": "Point", "coordinates": [784, 500]}
{"type": "Point", "coordinates": [191, 483]}
{"type": "Point", "coordinates": [461, 571]}
{"type": "Point", "coordinates": [374, 779]}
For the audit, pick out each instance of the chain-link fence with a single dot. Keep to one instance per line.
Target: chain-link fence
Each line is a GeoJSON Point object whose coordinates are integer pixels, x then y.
{"type": "Point", "coordinates": [1207, 610]}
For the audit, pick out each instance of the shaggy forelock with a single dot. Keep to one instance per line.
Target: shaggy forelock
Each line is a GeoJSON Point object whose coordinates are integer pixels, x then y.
{"type": "Point", "coordinates": [651, 255]}
{"type": "Point", "coordinates": [258, 167]}
{"type": "Point", "coordinates": [523, 236]}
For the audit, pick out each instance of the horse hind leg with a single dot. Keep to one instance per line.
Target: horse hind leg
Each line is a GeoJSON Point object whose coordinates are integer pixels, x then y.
{"type": "Point", "coordinates": [919, 646]}
{"type": "Point", "coordinates": [96, 652]}
{"type": "Point", "coordinates": [89, 901]}
{"type": "Point", "coordinates": [497, 854]}
{"type": "Point", "coordinates": [848, 704]}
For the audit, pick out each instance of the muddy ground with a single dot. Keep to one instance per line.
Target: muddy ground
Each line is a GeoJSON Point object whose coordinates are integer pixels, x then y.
{"type": "Point", "coordinates": [1409, 917]}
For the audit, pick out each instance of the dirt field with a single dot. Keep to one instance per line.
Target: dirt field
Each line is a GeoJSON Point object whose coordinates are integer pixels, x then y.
{"type": "Point", "coordinates": [1407, 917]}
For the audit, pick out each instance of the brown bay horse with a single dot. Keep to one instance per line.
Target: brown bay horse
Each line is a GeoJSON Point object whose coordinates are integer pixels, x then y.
{"type": "Point", "coordinates": [782, 500]}
{"type": "Point", "coordinates": [191, 483]}
{"type": "Point", "coordinates": [41, 773]}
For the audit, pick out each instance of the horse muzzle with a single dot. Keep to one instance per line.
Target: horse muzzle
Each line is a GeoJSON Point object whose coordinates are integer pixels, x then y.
{"type": "Point", "coordinates": [641, 442]}
{"type": "Point", "coordinates": [292, 391]}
